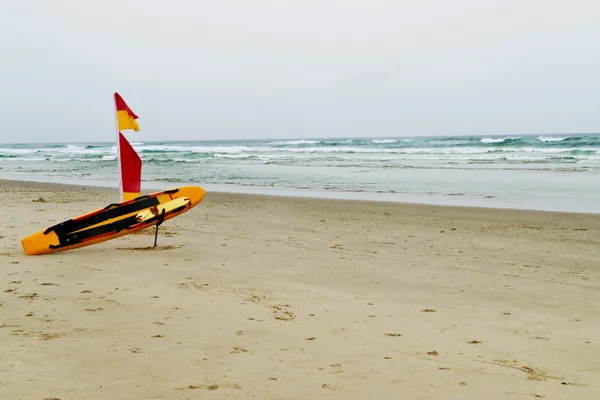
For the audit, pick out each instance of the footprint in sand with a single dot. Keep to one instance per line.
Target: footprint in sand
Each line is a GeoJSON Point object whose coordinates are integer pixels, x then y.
{"type": "Point", "coordinates": [50, 336]}
{"type": "Point", "coordinates": [328, 386]}
{"type": "Point", "coordinates": [238, 349]}
{"type": "Point", "coordinates": [136, 350]}
{"type": "Point", "coordinates": [29, 296]}
{"type": "Point", "coordinates": [94, 309]}
{"type": "Point", "coordinates": [281, 312]}
{"type": "Point", "coordinates": [193, 284]}
{"type": "Point", "coordinates": [534, 374]}
{"type": "Point", "coordinates": [211, 386]}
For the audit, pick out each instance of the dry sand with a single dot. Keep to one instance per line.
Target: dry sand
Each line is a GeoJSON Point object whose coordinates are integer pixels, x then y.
{"type": "Point", "coordinates": [251, 297]}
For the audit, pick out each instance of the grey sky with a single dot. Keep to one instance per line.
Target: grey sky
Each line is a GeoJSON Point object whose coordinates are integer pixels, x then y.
{"type": "Point", "coordinates": [311, 68]}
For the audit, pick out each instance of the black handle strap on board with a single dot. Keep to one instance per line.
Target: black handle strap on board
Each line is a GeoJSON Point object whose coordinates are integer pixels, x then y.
{"type": "Point", "coordinates": [72, 238]}
{"type": "Point", "coordinates": [111, 211]}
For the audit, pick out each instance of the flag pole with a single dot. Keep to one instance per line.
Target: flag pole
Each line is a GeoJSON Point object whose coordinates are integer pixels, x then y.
{"type": "Point", "coordinates": [120, 183]}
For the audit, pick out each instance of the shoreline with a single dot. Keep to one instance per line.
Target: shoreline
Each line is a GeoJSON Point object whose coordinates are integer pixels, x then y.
{"type": "Point", "coordinates": [528, 173]}
{"type": "Point", "coordinates": [384, 198]}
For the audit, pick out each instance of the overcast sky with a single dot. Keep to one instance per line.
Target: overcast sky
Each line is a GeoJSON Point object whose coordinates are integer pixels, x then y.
{"type": "Point", "coordinates": [232, 69]}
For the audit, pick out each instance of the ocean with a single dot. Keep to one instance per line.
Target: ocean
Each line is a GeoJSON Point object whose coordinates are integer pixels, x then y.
{"type": "Point", "coordinates": [548, 172]}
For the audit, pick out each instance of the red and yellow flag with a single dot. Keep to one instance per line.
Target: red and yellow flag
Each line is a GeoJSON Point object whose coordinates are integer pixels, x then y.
{"type": "Point", "coordinates": [125, 117]}
{"type": "Point", "coordinates": [130, 164]}
{"type": "Point", "coordinates": [131, 170]}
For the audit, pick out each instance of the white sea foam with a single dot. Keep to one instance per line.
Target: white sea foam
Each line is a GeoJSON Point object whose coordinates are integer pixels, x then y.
{"type": "Point", "coordinates": [70, 148]}
{"type": "Point", "coordinates": [235, 156]}
{"type": "Point", "coordinates": [18, 151]}
{"type": "Point", "coordinates": [384, 141]}
{"type": "Point", "coordinates": [494, 140]}
{"type": "Point", "coordinates": [157, 152]}
{"type": "Point", "coordinates": [14, 159]}
{"type": "Point", "coordinates": [294, 142]}
{"type": "Point", "coordinates": [205, 149]}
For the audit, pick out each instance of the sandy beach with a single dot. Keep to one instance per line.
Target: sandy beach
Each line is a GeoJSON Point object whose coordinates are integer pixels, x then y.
{"type": "Point", "coordinates": [258, 297]}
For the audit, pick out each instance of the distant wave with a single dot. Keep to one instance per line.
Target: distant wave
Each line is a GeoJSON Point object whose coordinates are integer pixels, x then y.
{"type": "Point", "coordinates": [505, 140]}
{"type": "Point", "coordinates": [18, 151]}
{"type": "Point", "coordinates": [295, 142]}
{"type": "Point", "coordinates": [490, 140]}
{"type": "Point", "coordinates": [550, 139]}
{"type": "Point", "coordinates": [74, 149]}
{"type": "Point", "coordinates": [234, 156]}
{"type": "Point", "coordinates": [384, 141]}
{"type": "Point", "coordinates": [491, 146]}
{"type": "Point", "coordinates": [381, 152]}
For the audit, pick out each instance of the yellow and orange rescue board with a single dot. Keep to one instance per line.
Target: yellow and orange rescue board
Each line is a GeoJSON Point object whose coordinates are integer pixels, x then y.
{"type": "Point", "coordinates": [113, 221]}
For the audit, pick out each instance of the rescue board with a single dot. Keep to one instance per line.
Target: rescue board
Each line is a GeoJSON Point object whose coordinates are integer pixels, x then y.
{"type": "Point", "coordinates": [113, 221]}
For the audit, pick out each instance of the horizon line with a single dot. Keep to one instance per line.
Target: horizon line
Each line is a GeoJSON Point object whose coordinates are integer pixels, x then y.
{"type": "Point", "coordinates": [317, 138]}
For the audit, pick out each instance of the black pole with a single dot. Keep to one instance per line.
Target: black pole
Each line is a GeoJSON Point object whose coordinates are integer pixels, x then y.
{"type": "Point", "coordinates": [160, 221]}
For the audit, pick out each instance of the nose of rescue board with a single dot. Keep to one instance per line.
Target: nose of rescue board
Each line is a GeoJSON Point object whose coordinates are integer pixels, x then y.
{"type": "Point", "coordinates": [114, 220]}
